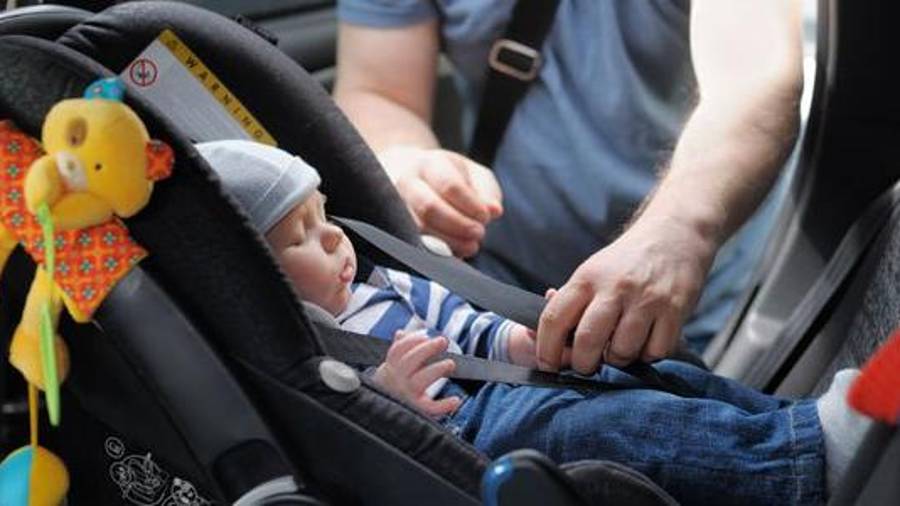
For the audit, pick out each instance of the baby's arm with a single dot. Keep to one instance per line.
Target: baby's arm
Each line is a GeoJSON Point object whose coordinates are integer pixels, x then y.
{"type": "Point", "coordinates": [479, 333]}
{"type": "Point", "coordinates": [409, 369]}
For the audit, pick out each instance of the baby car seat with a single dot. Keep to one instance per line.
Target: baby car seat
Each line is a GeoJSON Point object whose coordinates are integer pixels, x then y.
{"type": "Point", "coordinates": [202, 379]}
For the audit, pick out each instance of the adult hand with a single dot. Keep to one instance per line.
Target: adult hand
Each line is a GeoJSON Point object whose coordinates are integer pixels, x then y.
{"type": "Point", "coordinates": [449, 195]}
{"type": "Point", "coordinates": [627, 301]}
{"type": "Point", "coordinates": [409, 369]}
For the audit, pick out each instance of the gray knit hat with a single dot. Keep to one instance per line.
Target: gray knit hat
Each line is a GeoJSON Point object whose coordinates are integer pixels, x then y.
{"type": "Point", "coordinates": [266, 181]}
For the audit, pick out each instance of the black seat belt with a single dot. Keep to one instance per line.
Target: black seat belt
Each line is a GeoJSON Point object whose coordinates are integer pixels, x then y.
{"type": "Point", "coordinates": [513, 64]}
{"type": "Point", "coordinates": [878, 216]}
{"type": "Point", "coordinates": [506, 300]}
{"type": "Point", "coordinates": [365, 350]}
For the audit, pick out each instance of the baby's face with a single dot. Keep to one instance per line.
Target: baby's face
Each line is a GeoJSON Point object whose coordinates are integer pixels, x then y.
{"type": "Point", "coordinates": [315, 254]}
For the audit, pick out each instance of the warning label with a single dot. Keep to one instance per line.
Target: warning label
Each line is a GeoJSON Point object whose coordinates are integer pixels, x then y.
{"type": "Point", "coordinates": [175, 80]}
{"type": "Point", "coordinates": [143, 72]}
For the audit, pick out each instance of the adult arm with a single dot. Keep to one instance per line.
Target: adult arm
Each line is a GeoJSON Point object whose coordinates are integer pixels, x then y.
{"type": "Point", "coordinates": [630, 299]}
{"type": "Point", "coordinates": [385, 85]}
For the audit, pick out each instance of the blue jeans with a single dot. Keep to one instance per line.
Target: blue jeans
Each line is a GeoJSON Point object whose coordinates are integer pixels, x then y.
{"type": "Point", "coordinates": [732, 446]}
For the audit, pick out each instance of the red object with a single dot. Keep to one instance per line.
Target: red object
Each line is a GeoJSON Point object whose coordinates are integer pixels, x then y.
{"type": "Point", "coordinates": [160, 159]}
{"type": "Point", "coordinates": [876, 392]}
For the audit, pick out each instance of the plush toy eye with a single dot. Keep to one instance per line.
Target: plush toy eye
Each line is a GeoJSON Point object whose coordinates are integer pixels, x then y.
{"type": "Point", "coordinates": [76, 132]}
{"type": "Point", "coordinates": [98, 166]}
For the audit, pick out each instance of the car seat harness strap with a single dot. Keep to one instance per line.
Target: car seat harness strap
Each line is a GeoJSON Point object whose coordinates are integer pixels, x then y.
{"type": "Point", "coordinates": [881, 214]}
{"type": "Point", "coordinates": [506, 300]}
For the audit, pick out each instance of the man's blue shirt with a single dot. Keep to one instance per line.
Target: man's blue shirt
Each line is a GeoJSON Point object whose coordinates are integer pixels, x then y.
{"type": "Point", "coordinates": [585, 145]}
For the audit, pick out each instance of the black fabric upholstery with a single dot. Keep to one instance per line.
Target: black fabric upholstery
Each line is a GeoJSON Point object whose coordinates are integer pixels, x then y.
{"type": "Point", "coordinates": [34, 79]}
{"type": "Point", "coordinates": [203, 252]}
{"type": "Point", "coordinates": [189, 222]}
{"type": "Point", "coordinates": [606, 482]}
{"type": "Point", "coordinates": [44, 21]}
{"type": "Point", "coordinates": [352, 467]}
{"type": "Point", "coordinates": [292, 106]}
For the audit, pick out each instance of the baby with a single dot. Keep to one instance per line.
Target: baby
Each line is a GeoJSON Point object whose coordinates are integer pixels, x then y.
{"type": "Point", "coordinates": [732, 443]}
{"type": "Point", "coordinates": [279, 192]}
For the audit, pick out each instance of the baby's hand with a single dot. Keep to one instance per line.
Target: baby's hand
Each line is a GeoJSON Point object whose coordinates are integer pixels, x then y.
{"type": "Point", "coordinates": [522, 347]}
{"type": "Point", "coordinates": [407, 372]}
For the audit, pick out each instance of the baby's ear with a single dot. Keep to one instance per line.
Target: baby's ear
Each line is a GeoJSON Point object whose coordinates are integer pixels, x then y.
{"type": "Point", "coordinates": [160, 159]}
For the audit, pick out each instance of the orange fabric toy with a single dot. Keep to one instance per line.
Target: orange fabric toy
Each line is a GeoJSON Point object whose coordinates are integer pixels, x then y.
{"type": "Point", "coordinates": [97, 165]}
{"type": "Point", "coordinates": [90, 261]}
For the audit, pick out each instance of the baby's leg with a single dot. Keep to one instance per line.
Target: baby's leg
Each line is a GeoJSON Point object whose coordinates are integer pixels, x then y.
{"type": "Point", "coordinates": [702, 451]}
{"type": "Point", "coordinates": [842, 427]}
{"type": "Point", "coordinates": [709, 386]}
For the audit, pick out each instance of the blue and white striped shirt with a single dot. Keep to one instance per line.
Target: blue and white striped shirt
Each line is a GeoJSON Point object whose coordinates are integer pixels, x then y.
{"type": "Point", "coordinates": [392, 300]}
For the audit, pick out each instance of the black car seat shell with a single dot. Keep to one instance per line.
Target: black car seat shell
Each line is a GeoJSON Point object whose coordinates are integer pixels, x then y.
{"type": "Point", "coordinates": [268, 335]}
{"type": "Point", "coordinates": [43, 21]}
{"type": "Point", "coordinates": [206, 257]}
{"type": "Point", "coordinates": [262, 77]}
{"type": "Point", "coordinates": [270, 348]}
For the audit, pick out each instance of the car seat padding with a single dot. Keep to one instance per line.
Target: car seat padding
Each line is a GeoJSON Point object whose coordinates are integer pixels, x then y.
{"type": "Point", "coordinates": [200, 244]}
{"type": "Point", "coordinates": [293, 107]}
{"type": "Point", "coordinates": [44, 21]}
{"type": "Point", "coordinates": [206, 256]}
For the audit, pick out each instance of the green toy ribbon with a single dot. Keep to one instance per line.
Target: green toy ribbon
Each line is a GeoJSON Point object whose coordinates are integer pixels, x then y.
{"type": "Point", "coordinates": [48, 352]}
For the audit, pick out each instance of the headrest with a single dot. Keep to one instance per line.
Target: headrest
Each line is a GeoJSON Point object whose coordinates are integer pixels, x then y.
{"type": "Point", "coordinates": [289, 103]}
{"type": "Point", "coordinates": [199, 243]}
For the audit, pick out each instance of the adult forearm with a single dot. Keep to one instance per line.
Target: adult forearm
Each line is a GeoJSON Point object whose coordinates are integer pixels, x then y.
{"type": "Point", "coordinates": [725, 163]}
{"type": "Point", "coordinates": [384, 123]}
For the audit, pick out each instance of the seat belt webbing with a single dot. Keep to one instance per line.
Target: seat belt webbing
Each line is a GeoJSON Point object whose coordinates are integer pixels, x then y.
{"type": "Point", "coordinates": [513, 64]}
{"type": "Point", "coordinates": [857, 241]}
{"type": "Point", "coordinates": [364, 350]}
{"type": "Point", "coordinates": [506, 300]}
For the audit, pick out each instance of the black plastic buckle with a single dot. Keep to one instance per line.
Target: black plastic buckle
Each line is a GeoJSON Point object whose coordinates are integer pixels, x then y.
{"type": "Point", "coordinates": [515, 59]}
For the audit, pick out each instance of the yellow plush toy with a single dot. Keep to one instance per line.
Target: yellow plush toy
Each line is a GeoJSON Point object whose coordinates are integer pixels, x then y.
{"type": "Point", "coordinates": [100, 164]}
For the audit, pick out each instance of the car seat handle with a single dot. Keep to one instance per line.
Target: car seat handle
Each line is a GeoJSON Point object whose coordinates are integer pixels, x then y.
{"type": "Point", "coordinates": [184, 372]}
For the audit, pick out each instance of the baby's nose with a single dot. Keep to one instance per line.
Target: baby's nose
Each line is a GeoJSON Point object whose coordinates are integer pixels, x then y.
{"type": "Point", "coordinates": [332, 236]}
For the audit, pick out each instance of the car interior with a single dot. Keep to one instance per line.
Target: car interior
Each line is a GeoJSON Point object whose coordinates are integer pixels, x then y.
{"type": "Point", "coordinates": [202, 380]}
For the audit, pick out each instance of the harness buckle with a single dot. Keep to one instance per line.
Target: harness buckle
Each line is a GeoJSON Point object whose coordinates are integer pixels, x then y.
{"type": "Point", "coordinates": [515, 59]}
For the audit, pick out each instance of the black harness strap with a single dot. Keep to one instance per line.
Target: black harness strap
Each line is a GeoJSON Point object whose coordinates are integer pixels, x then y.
{"type": "Point", "coordinates": [364, 350]}
{"type": "Point", "coordinates": [511, 302]}
{"type": "Point", "coordinates": [885, 210]}
{"type": "Point", "coordinates": [513, 64]}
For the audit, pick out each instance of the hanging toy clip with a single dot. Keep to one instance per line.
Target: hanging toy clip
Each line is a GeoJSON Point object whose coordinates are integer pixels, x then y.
{"type": "Point", "coordinates": [64, 205]}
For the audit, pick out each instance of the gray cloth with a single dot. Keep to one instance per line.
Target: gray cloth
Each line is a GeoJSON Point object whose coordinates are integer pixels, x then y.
{"type": "Point", "coordinates": [266, 181]}
{"type": "Point", "coordinates": [843, 428]}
